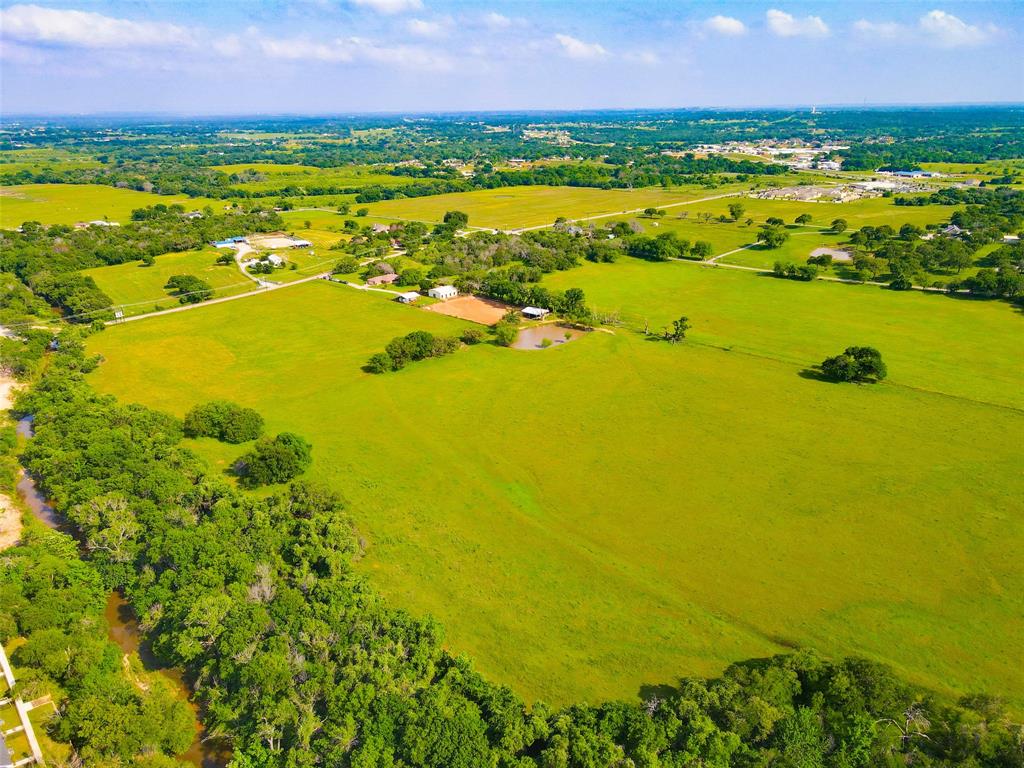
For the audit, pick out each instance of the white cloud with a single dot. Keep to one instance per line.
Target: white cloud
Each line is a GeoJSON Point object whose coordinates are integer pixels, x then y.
{"type": "Point", "coordinates": [879, 30]}
{"type": "Point", "coordinates": [948, 31]}
{"type": "Point", "coordinates": [937, 28]}
{"type": "Point", "coordinates": [86, 29]}
{"type": "Point", "coordinates": [650, 58]}
{"type": "Point", "coordinates": [575, 48]}
{"type": "Point", "coordinates": [725, 25]}
{"type": "Point", "coordinates": [389, 7]}
{"type": "Point", "coordinates": [497, 21]}
{"type": "Point", "coordinates": [786, 25]}
{"type": "Point", "coordinates": [339, 50]}
{"type": "Point", "coordinates": [424, 28]}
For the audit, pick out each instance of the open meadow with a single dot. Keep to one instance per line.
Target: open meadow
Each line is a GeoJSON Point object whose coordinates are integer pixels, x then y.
{"type": "Point", "coordinates": [617, 512]}
{"type": "Point", "coordinates": [278, 176]}
{"type": "Point", "coordinates": [70, 203]}
{"type": "Point", "coordinates": [517, 207]}
{"type": "Point", "coordinates": [137, 288]}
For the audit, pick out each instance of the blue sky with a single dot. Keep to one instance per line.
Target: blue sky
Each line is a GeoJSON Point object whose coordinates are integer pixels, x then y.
{"type": "Point", "coordinates": [331, 56]}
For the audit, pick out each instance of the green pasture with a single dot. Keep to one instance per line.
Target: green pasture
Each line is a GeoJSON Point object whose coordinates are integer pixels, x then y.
{"type": "Point", "coordinates": [70, 203]}
{"type": "Point", "coordinates": [139, 288]}
{"type": "Point", "coordinates": [977, 170]}
{"type": "Point", "coordinates": [283, 175]}
{"type": "Point", "coordinates": [872, 211]}
{"type": "Point", "coordinates": [14, 160]}
{"type": "Point", "coordinates": [616, 512]}
{"type": "Point", "coordinates": [515, 207]}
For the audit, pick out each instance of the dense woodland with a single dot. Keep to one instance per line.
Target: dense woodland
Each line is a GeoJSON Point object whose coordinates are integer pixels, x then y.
{"type": "Point", "coordinates": [298, 662]}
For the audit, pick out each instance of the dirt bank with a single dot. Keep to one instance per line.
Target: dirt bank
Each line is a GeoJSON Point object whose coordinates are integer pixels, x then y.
{"type": "Point", "coordinates": [10, 514]}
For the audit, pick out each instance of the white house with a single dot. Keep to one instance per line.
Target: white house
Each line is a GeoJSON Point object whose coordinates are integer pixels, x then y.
{"type": "Point", "coordinates": [409, 297]}
{"type": "Point", "coordinates": [535, 313]}
{"type": "Point", "coordinates": [443, 292]}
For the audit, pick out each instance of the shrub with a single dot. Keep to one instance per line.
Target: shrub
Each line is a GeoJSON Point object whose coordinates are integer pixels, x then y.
{"type": "Point", "coordinates": [380, 363]}
{"type": "Point", "coordinates": [274, 460]}
{"type": "Point", "coordinates": [472, 336]}
{"type": "Point", "coordinates": [790, 271]}
{"type": "Point", "coordinates": [862, 364]}
{"type": "Point", "coordinates": [505, 333]}
{"type": "Point", "coordinates": [189, 289]}
{"type": "Point", "coordinates": [417, 345]}
{"type": "Point", "coordinates": [228, 422]}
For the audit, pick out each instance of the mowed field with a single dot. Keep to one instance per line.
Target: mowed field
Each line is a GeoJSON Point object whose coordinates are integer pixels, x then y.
{"type": "Point", "coordinates": [516, 207]}
{"type": "Point", "coordinates": [284, 175]}
{"type": "Point", "coordinates": [69, 203]}
{"type": "Point", "coordinates": [616, 512]}
{"type": "Point", "coordinates": [138, 288]}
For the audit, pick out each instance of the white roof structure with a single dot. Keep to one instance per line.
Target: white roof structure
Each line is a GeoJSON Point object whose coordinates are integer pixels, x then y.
{"type": "Point", "coordinates": [408, 297]}
{"type": "Point", "coordinates": [535, 312]}
{"type": "Point", "coordinates": [443, 292]}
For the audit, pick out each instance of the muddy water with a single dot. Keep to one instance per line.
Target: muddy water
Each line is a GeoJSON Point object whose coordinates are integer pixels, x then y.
{"type": "Point", "coordinates": [124, 631]}
{"type": "Point", "coordinates": [533, 337]}
{"type": "Point", "coordinates": [123, 625]}
{"type": "Point", "coordinates": [31, 495]}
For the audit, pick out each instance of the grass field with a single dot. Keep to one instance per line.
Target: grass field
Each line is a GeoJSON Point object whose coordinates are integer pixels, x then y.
{"type": "Point", "coordinates": [281, 175]}
{"type": "Point", "coordinates": [977, 170]}
{"type": "Point", "coordinates": [873, 211]}
{"type": "Point", "coordinates": [616, 512]}
{"type": "Point", "coordinates": [514, 207]}
{"type": "Point", "coordinates": [139, 288]}
{"type": "Point", "coordinates": [68, 203]}
{"type": "Point", "coordinates": [14, 160]}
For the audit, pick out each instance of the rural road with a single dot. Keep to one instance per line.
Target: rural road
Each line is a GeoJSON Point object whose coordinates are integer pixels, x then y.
{"type": "Point", "coordinates": [625, 213]}
{"type": "Point", "coordinates": [221, 300]}
{"type": "Point", "coordinates": [714, 259]}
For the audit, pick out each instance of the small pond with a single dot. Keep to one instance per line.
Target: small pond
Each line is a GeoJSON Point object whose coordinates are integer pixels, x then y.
{"type": "Point", "coordinates": [534, 337]}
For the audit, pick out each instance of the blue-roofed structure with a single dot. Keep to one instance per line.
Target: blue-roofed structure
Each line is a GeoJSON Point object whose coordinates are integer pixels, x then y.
{"type": "Point", "coordinates": [229, 241]}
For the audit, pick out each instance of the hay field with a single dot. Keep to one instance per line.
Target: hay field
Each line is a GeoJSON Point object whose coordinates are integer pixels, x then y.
{"type": "Point", "coordinates": [69, 203]}
{"type": "Point", "coordinates": [515, 207]}
{"type": "Point", "coordinates": [617, 512]}
{"type": "Point", "coordinates": [139, 289]}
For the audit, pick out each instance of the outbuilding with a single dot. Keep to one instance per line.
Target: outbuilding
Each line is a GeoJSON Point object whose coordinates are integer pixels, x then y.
{"type": "Point", "coordinates": [535, 313]}
{"type": "Point", "coordinates": [443, 292]}
{"type": "Point", "coordinates": [408, 297]}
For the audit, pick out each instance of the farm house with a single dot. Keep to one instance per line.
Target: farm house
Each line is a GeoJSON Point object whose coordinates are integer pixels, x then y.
{"type": "Point", "coordinates": [443, 292]}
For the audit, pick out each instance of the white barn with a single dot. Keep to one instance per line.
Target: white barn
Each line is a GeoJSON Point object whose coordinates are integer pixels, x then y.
{"type": "Point", "coordinates": [535, 313]}
{"type": "Point", "coordinates": [409, 297]}
{"type": "Point", "coordinates": [443, 292]}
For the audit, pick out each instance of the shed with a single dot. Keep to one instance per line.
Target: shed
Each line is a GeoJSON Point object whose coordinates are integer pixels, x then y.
{"type": "Point", "coordinates": [443, 292]}
{"type": "Point", "coordinates": [535, 313]}
{"type": "Point", "coordinates": [408, 297]}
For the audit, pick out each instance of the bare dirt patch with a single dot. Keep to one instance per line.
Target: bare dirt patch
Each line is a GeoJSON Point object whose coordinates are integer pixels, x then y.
{"type": "Point", "coordinates": [8, 388]}
{"type": "Point", "coordinates": [10, 523]}
{"type": "Point", "coordinates": [472, 308]}
{"type": "Point", "coordinates": [835, 253]}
